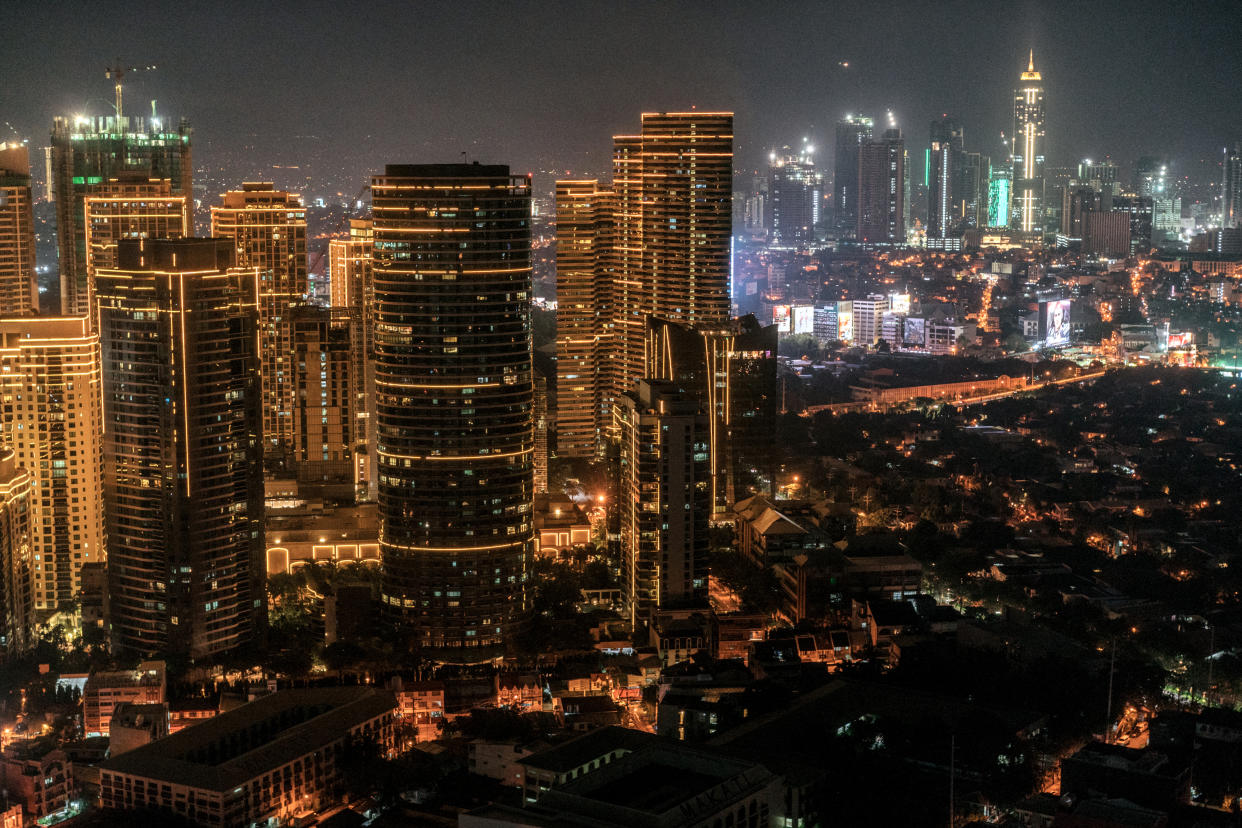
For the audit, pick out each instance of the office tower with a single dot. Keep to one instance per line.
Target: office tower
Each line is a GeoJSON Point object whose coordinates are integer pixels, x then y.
{"type": "Point", "coordinates": [1139, 211]}
{"type": "Point", "coordinates": [453, 380]}
{"type": "Point", "coordinates": [16, 556]}
{"type": "Point", "coordinates": [329, 424]}
{"type": "Point", "coordinates": [881, 191]}
{"type": "Point", "coordinates": [350, 283]}
{"type": "Point", "coordinates": [1166, 219]}
{"type": "Point", "coordinates": [268, 229]}
{"type": "Point", "coordinates": [1028, 154]}
{"type": "Point", "coordinates": [584, 330]}
{"type": "Point", "coordinates": [795, 188]}
{"type": "Point", "coordinates": [971, 197]}
{"type": "Point", "coordinates": [53, 420]}
{"type": "Point", "coordinates": [1106, 234]}
{"type": "Point", "coordinates": [1100, 176]}
{"type": "Point", "coordinates": [1000, 191]}
{"type": "Point", "coordinates": [665, 498]}
{"type": "Point", "coordinates": [129, 206]}
{"type": "Point", "coordinates": [868, 315]}
{"type": "Point", "coordinates": [944, 170]}
{"type": "Point", "coordinates": [730, 370]}
{"type": "Point", "coordinates": [1151, 177]}
{"type": "Point", "coordinates": [182, 448]}
{"type": "Point", "coordinates": [1076, 203]}
{"type": "Point", "coordinates": [852, 132]}
{"type": "Point", "coordinates": [19, 291]}
{"type": "Point", "coordinates": [1231, 188]}
{"type": "Point", "coordinates": [85, 153]}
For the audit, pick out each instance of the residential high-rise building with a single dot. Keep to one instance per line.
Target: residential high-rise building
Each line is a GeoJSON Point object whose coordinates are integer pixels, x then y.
{"type": "Point", "coordinates": [852, 132]}
{"type": "Point", "coordinates": [130, 205]}
{"type": "Point", "coordinates": [1028, 153]}
{"type": "Point", "coordinates": [584, 327]}
{"type": "Point", "coordinates": [182, 448]}
{"type": "Point", "coordinates": [454, 393]}
{"type": "Point", "coordinates": [795, 189]}
{"type": "Point", "coordinates": [85, 153]}
{"type": "Point", "coordinates": [350, 284]}
{"type": "Point", "coordinates": [16, 555]}
{"type": "Point", "coordinates": [543, 423]}
{"type": "Point", "coordinates": [664, 498]}
{"type": "Point", "coordinates": [1231, 188]}
{"type": "Point", "coordinates": [730, 370]}
{"type": "Point", "coordinates": [329, 423]}
{"type": "Point", "coordinates": [1139, 209]}
{"type": "Point", "coordinates": [19, 291]}
{"type": "Point", "coordinates": [52, 418]}
{"type": "Point", "coordinates": [268, 229]}
{"type": "Point", "coordinates": [881, 190]}
{"type": "Point", "coordinates": [971, 196]}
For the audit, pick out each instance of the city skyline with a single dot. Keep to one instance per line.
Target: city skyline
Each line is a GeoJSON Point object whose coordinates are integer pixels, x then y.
{"type": "Point", "coordinates": [555, 118]}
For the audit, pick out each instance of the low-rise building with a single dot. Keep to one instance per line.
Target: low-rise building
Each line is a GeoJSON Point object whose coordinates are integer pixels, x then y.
{"type": "Point", "coordinates": [105, 690]}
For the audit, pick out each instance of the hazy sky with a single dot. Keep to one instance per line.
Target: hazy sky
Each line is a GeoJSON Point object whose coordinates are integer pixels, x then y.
{"type": "Point", "coordinates": [545, 84]}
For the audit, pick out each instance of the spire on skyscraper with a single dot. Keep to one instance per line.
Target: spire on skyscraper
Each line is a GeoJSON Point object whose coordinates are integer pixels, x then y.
{"type": "Point", "coordinates": [1030, 73]}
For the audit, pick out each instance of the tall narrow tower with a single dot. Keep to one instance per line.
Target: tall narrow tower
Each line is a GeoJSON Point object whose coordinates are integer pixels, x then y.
{"type": "Point", "coordinates": [19, 292]}
{"type": "Point", "coordinates": [852, 132]}
{"type": "Point", "coordinates": [453, 376]}
{"type": "Point", "coordinates": [268, 229]}
{"type": "Point", "coordinates": [1028, 153]}
{"type": "Point", "coordinates": [1231, 188]}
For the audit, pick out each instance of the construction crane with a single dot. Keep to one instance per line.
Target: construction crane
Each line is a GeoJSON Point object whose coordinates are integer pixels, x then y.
{"type": "Point", "coordinates": [117, 72]}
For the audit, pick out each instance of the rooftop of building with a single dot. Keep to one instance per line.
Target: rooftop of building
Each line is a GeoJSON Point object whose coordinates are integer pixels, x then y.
{"type": "Point", "coordinates": [299, 722]}
{"type": "Point", "coordinates": [580, 750]}
{"type": "Point", "coordinates": [147, 674]}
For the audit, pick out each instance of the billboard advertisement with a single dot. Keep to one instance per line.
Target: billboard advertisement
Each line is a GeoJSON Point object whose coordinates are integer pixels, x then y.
{"type": "Point", "coordinates": [1181, 340]}
{"type": "Point", "coordinates": [1057, 323]}
{"type": "Point", "coordinates": [804, 319]}
{"type": "Point", "coordinates": [845, 322]}
{"type": "Point", "coordinates": [915, 332]}
{"type": "Point", "coordinates": [780, 318]}
{"type": "Point", "coordinates": [899, 302]}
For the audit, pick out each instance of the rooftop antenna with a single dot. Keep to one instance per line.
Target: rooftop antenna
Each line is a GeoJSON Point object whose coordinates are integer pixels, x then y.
{"type": "Point", "coordinates": [117, 72]}
{"type": "Point", "coordinates": [464, 160]}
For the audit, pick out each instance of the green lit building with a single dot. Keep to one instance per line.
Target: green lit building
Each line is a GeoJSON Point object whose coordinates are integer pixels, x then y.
{"type": "Point", "coordinates": [85, 154]}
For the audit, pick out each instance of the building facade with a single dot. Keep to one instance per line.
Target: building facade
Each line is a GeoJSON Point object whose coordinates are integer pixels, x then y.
{"type": "Point", "coordinates": [182, 448]}
{"type": "Point", "coordinates": [1231, 188]}
{"type": "Point", "coordinates": [795, 189]}
{"type": "Point", "coordinates": [881, 190]}
{"type": "Point", "coordinates": [852, 132]}
{"type": "Point", "coordinates": [16, 556]}
{"type": "Point", "coordinates": [665, 498]}
{"type": "Point", "coordinates": [85, 153]}
{"type": "Point", "coordinates": [454, 389]}
{"type": "Point", "coordinates": [1028, 154]}
{"type": "Point", "coordinates": [52, 416]}
{"type": "Point", "coordinates": [268, 229]}
{"type": "Point", "coordinates": [19, 290]}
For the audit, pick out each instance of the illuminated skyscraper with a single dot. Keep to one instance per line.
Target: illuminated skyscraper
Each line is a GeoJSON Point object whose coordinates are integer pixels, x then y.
{"type": "Point", "coordinates": [268, 228]}
{"type": "Point", "coordinates": [53, 420]}
{"type": "Point", "coordinates": [852, 132]}
{"type": "Point", "coordinates": [795, 190]}
{"type": "Point", "coordinates": [19, 293]}
{"type": "Point", "coordinates": [946, 159]}
{"type": "Point", "coordinates": [130, 206]}
{"type": "Point", "coordinates": [1151, 177]}
{"type": "Point", "coordinates": [1028, 154]}
{"type": "Point", "coordinates": [182, 449]}
{"type": "Point", "coordinates": [85, 154]}
{"type": "Point", "coordinates": [350, 281]}
{"type": "Point", "coordinates": [1000, 192]}
{"type": "Point", "coordinates": [881, 190]}
{"type": "Point", "coordinates": [453, 379]}
{"type": "Point", "coordinates": [584, 326]}
{"type": "Point", "coordinates": [16, 555]}
{"type": "Point", "coordinates": [664, 498]}
{"type": "Point", "coordinates": [1231, 188]}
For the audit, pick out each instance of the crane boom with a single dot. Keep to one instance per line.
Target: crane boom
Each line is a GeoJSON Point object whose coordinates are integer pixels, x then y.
{"type": "Point", "coordinates": [117, 72]}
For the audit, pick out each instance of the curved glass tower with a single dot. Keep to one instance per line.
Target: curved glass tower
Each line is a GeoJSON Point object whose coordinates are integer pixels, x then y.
{"type": "Point", "coordinates": [454, 396]}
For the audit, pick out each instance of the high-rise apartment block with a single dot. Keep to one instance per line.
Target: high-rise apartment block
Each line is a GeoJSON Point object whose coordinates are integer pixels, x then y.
{"type": "Point", "coordinates": [182, 448]}
{"type": "Point", "coordinates": [852, 132]}
{"type": "Point", "coordinates": [19, 292]}
{"type": "Point", "coordinates": [129, 206]}
{"type": "Point", "coordinates": [664, 498]}
{"type": "Point", "coordinates": [268, 229]}
{"type": "Point", "coordinates": [945, 161]}
{"type": "Point", "coordinates": [584, 327]}
{"type": "Point", "coordinates": [16, 555]}
{"type": "Point", "coordinates": [656, 243]}
{"type": "Point", "coordinates": [881, 190]}
{"type": "Point", "coordinates": [1231, 188]}
{"type": "Point", "coordinates": [1028, 154]}
{"type": "Point", "coordinates": [351, 286]}
{"type": "Point", "coordinates": [85, 154]}
{"type": "Point", "coordinates": [453, 376]}
{"type": "Point", "coordinates": [52, 419]}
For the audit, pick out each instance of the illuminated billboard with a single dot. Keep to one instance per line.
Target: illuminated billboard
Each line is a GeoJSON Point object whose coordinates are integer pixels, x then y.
{"type": "Point", "coordinates": [915, 332]}
{"type": "Point", "coordinates": [1057, 323]}
{"type": "Point", "coordinates": [780, 318]}
{"type": "Point", "coordinates": [899, 302]}
{"type": "Point", "coordinates": [845, 321]}
{"type": "Point", "coordinates": [804, 319]}
{"type": "Point", "coordinates": [1181, 340]}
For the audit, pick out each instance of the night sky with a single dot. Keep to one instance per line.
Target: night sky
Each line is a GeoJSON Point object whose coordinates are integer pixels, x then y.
{"type": "Point", "coordinates": [543, 85]}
